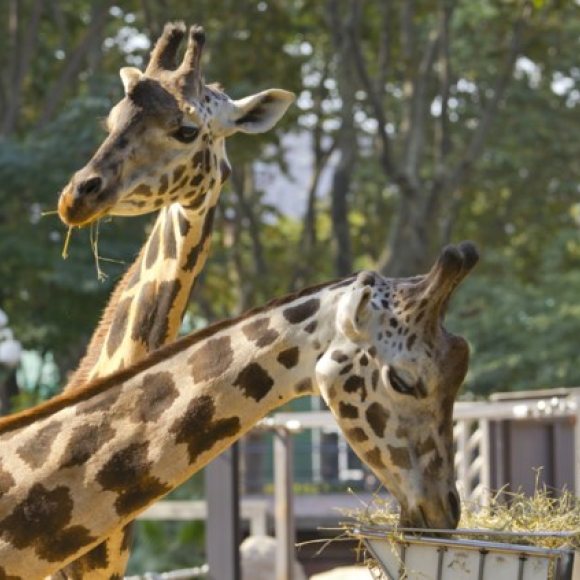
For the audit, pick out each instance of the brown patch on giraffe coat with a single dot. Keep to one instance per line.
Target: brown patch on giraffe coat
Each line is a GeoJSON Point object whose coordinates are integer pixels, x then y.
{"type": "Point", "coordinates": [40, 521]}
{"type": "Point", "coordinates": [375, 459]}
{"type": "Point", "coordinates": [184, 225]}
{"type": "Point", "coordinates": [37, 449]}
{"type": "Point", "coordinates": [225, 171]}
{"type": "Point", "coordinates": [153, 247]}
{"type": "Point", "coordinates": [5, 576]}
{"type": "Point", "coordinates": [375, 379]}
{"type": "Point", "coordinates": [158, 392]}
{"type": "Point", "coordinates": [402, 432]}
{"type": "Point", "coordinates": [400, 457]}
{"type": "Point", "coordinates": [133, 275]}
{"type": "Point", "coordinates": [377, 417]}
{"type": "Point", "coordinates": [426, 446]}
{"type": "Point", "coordinates": [84, 442]}
{"type": "Point", "coordinates": [143, 190]}
{"type": "Point", "coordinates": [338, 356]}
{"type": "Point", "coordinates": [347, 411]}
{"type": "Point", "coordinates": [196, 204]}
{"type": "Point", "coordinates": [258, 331]}
{"type": "Point", "coordinates": [357, 435]}
{"type": "Point", "coordinates": [212, 359]}
{"type": "Point", "coordinates": [199, 430]}
{"type": "Point", "coordinates": [207, 160]}
{"type": "Point", "coordinates": [311, 327]}
{"type": "Point", "coordinates": [169, 243]}
{"type": "Point", "coordinates": [154, 305]}
{"type": "Point", "coordinates": [289, 357]}
{"type": "Point", "coordinates": [127, 537]}
{"type": "Point", "coordinates": [163, 185]}
{"type": "Point", "coordinates": [97, 403]}
{"type": "Point", "coordinates": [197, 159]}
{"type": "Point", "coordinates": [355, 383]}
{"type": "Point", "coordinates": [254, 381]}
{"type": "Point", "coordinates": [178, 172]}
{"type": "Point", "coordinates": [346, 369]}
{"type": "Point", "coordinates": [119, 326]}
{"type": "Point", "coordinates": [193, 256]}
{"type": "Point", "coordinates": [6, 481]}
{"type": "Point", "coordinates": [127, 474]}
{"type": "Point", "coordinates": [302, 311]}
{"type": "Point", "coordinates": [95, 559]}
{"type": "Point", "coordinates": [196, 179]}
{"type": "Point", "coordinates": [304, 386]}
{"type": "Point", "coordinates": [433, 468]}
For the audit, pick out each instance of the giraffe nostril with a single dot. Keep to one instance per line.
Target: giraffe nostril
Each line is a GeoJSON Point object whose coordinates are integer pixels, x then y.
{"type": "Point", "coordinates": [89, 186]}
{"type": "Point", "coordinates": [454, 505]}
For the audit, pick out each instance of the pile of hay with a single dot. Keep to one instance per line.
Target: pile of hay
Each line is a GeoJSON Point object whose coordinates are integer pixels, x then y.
{"type": "Point", "coordinates": [542, 512]}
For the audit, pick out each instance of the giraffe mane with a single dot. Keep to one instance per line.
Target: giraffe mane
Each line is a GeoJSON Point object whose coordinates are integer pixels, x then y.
{"type": "Point", "coordinates": [29, 416]}
{"type": "Point", "coordinates": [80, 375]}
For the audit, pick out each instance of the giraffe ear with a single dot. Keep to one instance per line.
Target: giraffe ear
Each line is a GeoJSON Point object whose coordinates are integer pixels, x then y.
{"type": "Point", "coordinates": [260, 112]}
{"type": "Point", "coordinates": [353, 312]}
{"type": "Point", "coordinates": [130, 76]}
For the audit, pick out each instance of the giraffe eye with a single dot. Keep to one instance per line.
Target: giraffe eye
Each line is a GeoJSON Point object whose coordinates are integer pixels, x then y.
{"type": "Point", "coordinates": [399, 384]}
{"type": "Point", "coordinates": [186, 133]}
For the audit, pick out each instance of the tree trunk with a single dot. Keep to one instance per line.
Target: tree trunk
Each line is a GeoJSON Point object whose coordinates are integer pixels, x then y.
{"type": "Point", "coordinates": [346, 140]}
{"type": "Point", "coordinates": [74, 62]}
{"type": "Point", "coordinates": [25, 36]}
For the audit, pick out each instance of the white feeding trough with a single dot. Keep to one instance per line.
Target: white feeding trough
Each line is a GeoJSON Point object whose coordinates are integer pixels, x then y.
{"type": "Point", "coordinates": [402, 555]}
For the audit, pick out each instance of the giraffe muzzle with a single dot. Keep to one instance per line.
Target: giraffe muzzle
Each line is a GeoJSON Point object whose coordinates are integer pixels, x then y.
{"type": "Point", "coordinates": [84, 200]}
{"type": "Point", "coordinates": [441, 512]}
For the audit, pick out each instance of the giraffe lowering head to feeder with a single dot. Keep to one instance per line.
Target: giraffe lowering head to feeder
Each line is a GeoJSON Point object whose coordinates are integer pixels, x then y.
{"type": "Point", "coordinates": [165, 150]}
{"type": "Point", "coordinates": [76, 468]}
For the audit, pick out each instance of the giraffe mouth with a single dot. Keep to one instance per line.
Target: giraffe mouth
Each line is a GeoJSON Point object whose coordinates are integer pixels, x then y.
{"type": "Point", "coordinates": [79, 211]}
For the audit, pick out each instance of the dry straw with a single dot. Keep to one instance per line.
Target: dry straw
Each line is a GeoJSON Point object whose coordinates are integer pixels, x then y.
{"type": "Point", "coordinates": [544, 511]}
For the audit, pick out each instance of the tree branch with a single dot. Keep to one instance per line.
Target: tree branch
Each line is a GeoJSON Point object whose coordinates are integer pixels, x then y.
{"type": "Point", "coordinates": [475, 147]}
{"type": "Point", "coordinates": [241, 178]}
{"type": "Point", "coordinates": [384, 54]}
{"type": "Point", "coordinates": [22, 59]}
{"type": "Point", "coordinates": [418, 109]}
{"type": "Point", "coordinates": [100, 11]}
{"type": "Point", "coordinates": [442, 128]}
{"type": "Point", "coordinates": [387, 159]}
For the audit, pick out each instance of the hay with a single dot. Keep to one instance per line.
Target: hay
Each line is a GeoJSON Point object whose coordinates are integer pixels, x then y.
{"type": "Point", "coordinates": [543, 513]}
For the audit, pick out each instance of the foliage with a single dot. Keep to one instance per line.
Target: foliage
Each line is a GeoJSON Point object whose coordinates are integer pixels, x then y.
{"type": "Point", "coordinates": [517, 199]}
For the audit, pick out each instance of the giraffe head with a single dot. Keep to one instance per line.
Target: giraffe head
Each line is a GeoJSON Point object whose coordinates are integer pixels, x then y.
{"type": "Point", "coordinates": [391, 376]}
{"type": "Point", "coordinates": [166, 137]}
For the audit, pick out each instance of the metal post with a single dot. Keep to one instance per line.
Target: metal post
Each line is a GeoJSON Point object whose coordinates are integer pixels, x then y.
{"type": "Point", "coordinates": [284, 512]}
{"type": "Point", "coordinates": [577, 446]}
{"type": "Point", "coordinates": [485, 454]}
{"type": "Point", "coordinates": [461, 458]}
{"type": "Point", "coordinates": [222, 534]}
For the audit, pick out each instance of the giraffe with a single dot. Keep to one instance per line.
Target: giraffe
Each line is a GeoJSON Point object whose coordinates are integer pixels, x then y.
{"type": "Point", "coordinates": [81, 465]}
{"type": "Point", "coordinates": [165, 150]}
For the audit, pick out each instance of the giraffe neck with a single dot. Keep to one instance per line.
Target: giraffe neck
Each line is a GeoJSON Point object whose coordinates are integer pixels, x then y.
{"type": "Point", "coordinates": [83, 464]}
{"type": "Point", "coordinates": [146, 307]}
